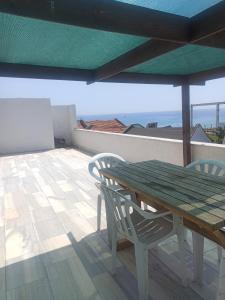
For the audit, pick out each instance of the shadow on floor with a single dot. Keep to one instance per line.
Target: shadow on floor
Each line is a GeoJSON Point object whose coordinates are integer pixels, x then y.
{"type": "Point", "coordinates": [82, 270]}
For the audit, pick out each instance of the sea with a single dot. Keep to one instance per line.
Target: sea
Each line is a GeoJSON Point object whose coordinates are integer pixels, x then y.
{"type": "Point", "coordinates": [206, 117]}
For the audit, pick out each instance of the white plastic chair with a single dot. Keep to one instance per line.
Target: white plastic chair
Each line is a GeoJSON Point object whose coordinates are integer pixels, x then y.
{"type": "Point", "coordinates": [97, 163]}
{"type": "Point", "coordinates": [211, 167]}
{"type": "Point", "coordinates": [144, 229]}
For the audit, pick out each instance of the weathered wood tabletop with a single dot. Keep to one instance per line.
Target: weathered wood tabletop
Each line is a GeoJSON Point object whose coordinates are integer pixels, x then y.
{"type": "Point", "coordinates": [198, 197]}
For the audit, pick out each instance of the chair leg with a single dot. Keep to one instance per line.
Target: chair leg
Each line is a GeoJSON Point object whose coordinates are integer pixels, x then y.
{"type": "Point", "coordinates": [109, 225]}
{"type": "Point", "coordinates": [181, 243]}
{"type": "Point", "coordinates": [99, 208]}
{"type": "Point", "coordinates": [221, 279]}
{"type": "Point", "coordinates": [219, 253]}
{"type": "Point", "coordinates": [141, 254]}
{"type": "Point", "coordinates": [185, 235]}
{"type": "Point", "coordinates": [114, 249]}
{"type": "Point", "coordinates": [198, 249]}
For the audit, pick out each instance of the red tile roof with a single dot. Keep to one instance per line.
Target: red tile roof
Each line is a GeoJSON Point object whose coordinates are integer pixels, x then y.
{"type": "Point", "coordinates": [103, 125]}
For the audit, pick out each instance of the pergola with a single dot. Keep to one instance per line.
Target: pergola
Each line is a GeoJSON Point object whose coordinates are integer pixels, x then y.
{"type": "Point", "coordinates": [178, 42]}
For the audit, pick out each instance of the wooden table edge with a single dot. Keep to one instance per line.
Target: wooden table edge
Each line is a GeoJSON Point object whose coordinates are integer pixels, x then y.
{"type": "Point", "coordinates": [211, 232]}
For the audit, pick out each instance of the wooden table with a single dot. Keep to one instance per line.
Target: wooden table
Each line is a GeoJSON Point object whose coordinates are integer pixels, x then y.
{"type": "Point", "coordinates": [198, 197]}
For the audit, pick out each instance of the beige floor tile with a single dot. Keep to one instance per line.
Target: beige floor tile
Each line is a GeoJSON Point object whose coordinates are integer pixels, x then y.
{"type": "Point", "coordinates": [49, 228]}
{"type": "Point", "coordinates": [85, 209]}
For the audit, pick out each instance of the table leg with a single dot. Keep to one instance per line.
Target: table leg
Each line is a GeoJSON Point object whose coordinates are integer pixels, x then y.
{"type": "Point", "coordinates": [178, 222]}
{"type": "Point", "coordinates": [221, 279]}
{"type": "Point", "coordinates": [198, 251]}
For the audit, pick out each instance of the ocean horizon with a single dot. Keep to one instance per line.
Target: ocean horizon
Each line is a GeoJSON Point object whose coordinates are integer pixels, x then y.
{"type": "Point", "coordinates": [206, 117]}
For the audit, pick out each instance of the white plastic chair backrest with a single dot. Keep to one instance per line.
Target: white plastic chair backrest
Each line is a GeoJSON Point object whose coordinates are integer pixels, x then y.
{"type": "Point", "coordinates": [120, 212]}
{"type": "Point", "coordinates": [102, 161]}
{"type": "Point", "coordinates": [211, 167]}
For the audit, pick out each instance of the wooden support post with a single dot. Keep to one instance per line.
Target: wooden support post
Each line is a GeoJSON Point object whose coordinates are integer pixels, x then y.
{"type": "Point", "coordinates": [186, 124]}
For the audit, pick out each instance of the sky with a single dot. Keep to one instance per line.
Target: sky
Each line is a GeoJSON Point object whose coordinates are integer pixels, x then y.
{"type": "Point", "coordinates": [108, 98]}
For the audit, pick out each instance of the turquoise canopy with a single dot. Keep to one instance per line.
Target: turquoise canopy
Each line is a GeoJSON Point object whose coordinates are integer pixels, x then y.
{"type": "Point", "coordinates": [40, 39]}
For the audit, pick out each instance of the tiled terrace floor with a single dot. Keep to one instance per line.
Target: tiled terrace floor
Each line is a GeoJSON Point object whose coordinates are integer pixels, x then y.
{"type": "Point", "coordinates": [49, 248]}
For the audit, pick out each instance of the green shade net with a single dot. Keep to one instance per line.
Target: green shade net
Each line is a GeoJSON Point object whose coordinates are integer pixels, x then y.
{"type": "Point", "coordinates": [31, 41]}
{"type": "Point", "coordinates": [185, 60]}
{"type": "Point", "coordinates": [187, 8]}
{"type": "Point", "coordinates": [36, 42]}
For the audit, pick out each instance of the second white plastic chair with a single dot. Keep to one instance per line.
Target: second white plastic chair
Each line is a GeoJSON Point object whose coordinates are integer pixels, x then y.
{"type": "Point", "coordinates": [97, 163]}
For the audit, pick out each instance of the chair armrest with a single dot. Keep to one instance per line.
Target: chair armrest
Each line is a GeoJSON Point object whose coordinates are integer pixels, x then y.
{"type": "Point", "coordinates": [150, 215]}
{"type": "Point", "coordinates": [132, 195]}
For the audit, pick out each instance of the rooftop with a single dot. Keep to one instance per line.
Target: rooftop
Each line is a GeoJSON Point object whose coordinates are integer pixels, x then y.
{"type": "Point", "coordinates": [103, 125]}
{"type": "Point", "coordinates": [49, 245]}
{"type": "Point", "coordinates": [168, 132]}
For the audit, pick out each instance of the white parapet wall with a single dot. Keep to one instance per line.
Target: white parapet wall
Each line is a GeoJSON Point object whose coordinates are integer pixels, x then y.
{"type": "Point", "coordinates": [25, 125]}
{"type": "Point", "coordinates": [137, 148]}
{"type": "Point", "coordinates": [207, 151]}
{"type": "Point", "coordinates": [130, 147]}
{"type": "Point", "coordinates": [64, 122]}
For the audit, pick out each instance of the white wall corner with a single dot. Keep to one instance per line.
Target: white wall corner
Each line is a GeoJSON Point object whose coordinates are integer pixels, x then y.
{"type": "Point", "coordinates": [64, 122]}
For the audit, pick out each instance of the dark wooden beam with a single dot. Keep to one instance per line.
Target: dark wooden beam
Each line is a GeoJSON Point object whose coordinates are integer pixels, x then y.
{"type": "Point", "coordinates": [154, 47]}
{"type": "Point", "coordinates": [186, 124]}
{"type": "Point", "coordinates": [105, 15]}
{"type": "Point", "coordinates": [56, 73]}
{"type": "Point", "coordinates": [208, 27]}
{"type": "Point", "coordinates": [216, 40]}
{"type": "Point", "coordinates": [138, 55]}
{"type": "Point", "coordinates": [40, 72]}
{"type": "Point", "coordinates": [202, 76]}
{"type": "Point", "coordinates": [208, 22]}
{"type": "Point", "coordinates": [141, 78]}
